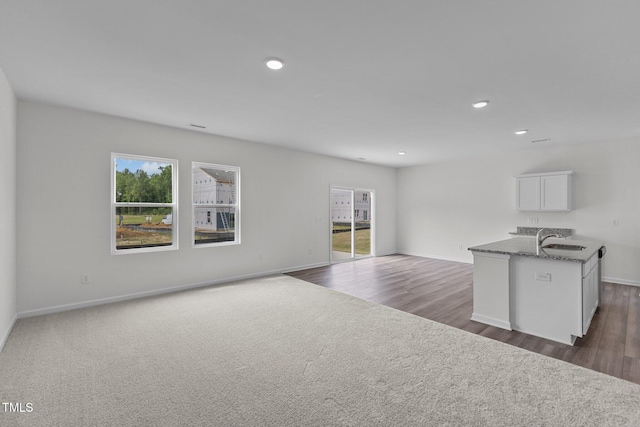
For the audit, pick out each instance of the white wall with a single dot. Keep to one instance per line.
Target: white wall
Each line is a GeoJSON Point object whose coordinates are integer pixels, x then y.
{"type": "Point", "coordinates": [444, 206]}
{"type": "Point", "coordinates": [63, 204]}
{"type": "Point", "coordinates": [8, 211]}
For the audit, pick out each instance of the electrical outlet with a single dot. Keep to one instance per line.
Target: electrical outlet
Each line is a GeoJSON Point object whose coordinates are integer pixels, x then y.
{"type": "Point", "coordinates": [310, 251]}
{"type": "Point", "coordinates": [615, 223]}
{"type": "Point", "coordinates": [543, 277]}
{"type": "Point", "coordinates": [85, 278]}
{"type": "Point", "coordinates": [460, 246]}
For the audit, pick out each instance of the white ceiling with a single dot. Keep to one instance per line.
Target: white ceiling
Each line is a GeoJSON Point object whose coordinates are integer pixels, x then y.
{"type": "Point", "coordinates": [363, 78]}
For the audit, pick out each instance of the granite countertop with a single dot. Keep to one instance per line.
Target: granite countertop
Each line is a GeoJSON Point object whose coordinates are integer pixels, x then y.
{"type": "Point", "coordinates": [525, 246]}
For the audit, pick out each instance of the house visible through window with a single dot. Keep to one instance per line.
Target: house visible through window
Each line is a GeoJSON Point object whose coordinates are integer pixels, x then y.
{"type": "Point", "coordinates": [216, 204]}
{"type": "Point", "coordinates": [143, 204]}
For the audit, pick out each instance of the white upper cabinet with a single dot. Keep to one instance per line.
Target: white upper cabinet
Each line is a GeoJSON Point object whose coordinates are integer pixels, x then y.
{"type": "Point", "coordinates": [528, 193]}
{"type": "Point", "coordinates": [555, 193]}
{"type": "Point", "coordinates": [544, 191]}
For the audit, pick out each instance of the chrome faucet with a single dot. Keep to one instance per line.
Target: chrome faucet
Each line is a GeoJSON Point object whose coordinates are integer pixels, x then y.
{"type": "Point", "coordinates": [540, 240]}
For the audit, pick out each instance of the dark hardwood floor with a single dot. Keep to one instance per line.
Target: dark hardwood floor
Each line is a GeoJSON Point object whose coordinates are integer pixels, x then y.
{"type": "Point", "coordinates": [442, 291]}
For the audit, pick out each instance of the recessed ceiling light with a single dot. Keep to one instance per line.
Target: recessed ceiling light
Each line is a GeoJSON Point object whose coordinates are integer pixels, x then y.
{"type": "Point", "coordinates": [274, 63]}
{"type": "Point", "coordinates": [480, 104]}
{"type": "Point", "coordinates": [402, 153]}
{"type": "Point", "coordinates": [521, 131]}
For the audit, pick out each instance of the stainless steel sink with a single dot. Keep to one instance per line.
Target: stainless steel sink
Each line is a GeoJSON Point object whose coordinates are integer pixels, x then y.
{"type": "Point", "coordinates": [564, 246]}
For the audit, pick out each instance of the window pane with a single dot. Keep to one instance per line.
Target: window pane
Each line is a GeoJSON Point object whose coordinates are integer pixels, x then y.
{"type": "Point", "coordinates": [138, 227]}
{"type": "Point", "coordinates": [362, 201]}
{"type": "Point", "coordinates": [214, 186]}
{"type": "Point", "coordinates": [214, 225]}
{"type": "Point", "coordinates": [140, 181]}
{"type": "Point", "coordinates": [341, 217]}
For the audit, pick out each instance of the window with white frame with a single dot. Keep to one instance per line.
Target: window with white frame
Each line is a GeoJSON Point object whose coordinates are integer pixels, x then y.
{"type": "Point", "coordinates": [216, 204]}
{"type": "Point", "coordinates": [144, 204]}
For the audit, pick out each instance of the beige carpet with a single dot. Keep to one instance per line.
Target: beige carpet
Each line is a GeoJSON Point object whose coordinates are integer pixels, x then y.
{"type": "Point", "coordinates": [281, 352]}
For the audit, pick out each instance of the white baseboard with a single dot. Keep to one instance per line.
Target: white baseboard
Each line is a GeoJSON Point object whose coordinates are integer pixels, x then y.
{"type": "Point", "coordinates": [621, 281]}
{"type": "Point", "coordinates": [5, 336]}
{"type": "Point", "coordinates": [435, 257]}
{"type": "Point", "coordinates": [491, 321]}
{"type": "Point", "coordinates": [387, 253]}
{"type": "Point", "coordinates": [91, 303]}
{"type": "Point", "coordinates": [302, 267]}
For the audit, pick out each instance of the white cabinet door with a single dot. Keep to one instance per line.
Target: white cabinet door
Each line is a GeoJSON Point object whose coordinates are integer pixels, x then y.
{"type": "Point", "coordinates": [555, 193]}
{"type": "Point", "coordinates": [528, 193]}
{"type": "Point", "coordinates": [596, 285]}
{"type": "Point", "coordinates": [590, 284]}
{"type": "Point", "coordinates": [586, 302]}
{"type": "Point", "coordinates": [594, 291]}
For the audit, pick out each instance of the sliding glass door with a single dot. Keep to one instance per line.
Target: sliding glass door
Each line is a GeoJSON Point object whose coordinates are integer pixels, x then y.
{"type": "Point", "coordinates": [351, 223]}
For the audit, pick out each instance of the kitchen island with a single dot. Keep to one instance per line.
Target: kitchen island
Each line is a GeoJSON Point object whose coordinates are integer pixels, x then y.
{"type": "Point", "coordinates": [550, 291]}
